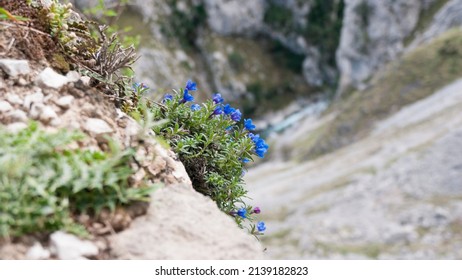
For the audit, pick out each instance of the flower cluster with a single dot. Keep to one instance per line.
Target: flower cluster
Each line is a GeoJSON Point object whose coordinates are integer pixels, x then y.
{"type": "Point", "coordinates": [214, 142]}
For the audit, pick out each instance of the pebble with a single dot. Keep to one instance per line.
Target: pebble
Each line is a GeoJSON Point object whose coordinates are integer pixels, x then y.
{"type": "Point", "coordinates": [47, 114]}
{"type": "Point", "coordinates": [14, 99]}
{"type": "Point", "coordinates": [16, 127]}
{"type": "Point", "coordinates": [36, 111]}
{"type": "Point", "coordinates": [35, 98]}
{"type": "Point", "coordinates": [69, 247]}
{"type": "Point", "coordinates": [65, 101]}
{"type": "Point", "coordinates": [97, 126]}
{"type": "Point", "coordinates": [73, 76]}
{"type": "Point", "coordinates": [37, 252]}
{"type": "Point", "coordinates": [13, 67]}
{"type": "Point", "coordinates": [48, 78]}
{"type": "Point", "coordinates": [5, 107]}
{"type": "Point", "coordinates": [18, 115]}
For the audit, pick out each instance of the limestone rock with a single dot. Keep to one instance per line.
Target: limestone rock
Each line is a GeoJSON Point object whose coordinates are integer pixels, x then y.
{"type": "Point", "coordinates": [16, 126]}
{"type": "Point", "coordinates": [97, 126]}
{"type": "Point", "coordinates": [373, 33]}
{"type": "Point", "coordinates": [5, 106]}
{"type": "Point", "coordinates": [234, 17]}
{"type": "Point", "coordinates": [13, 99]}
{"type": "Point", "coordinates": [37, 252]}
{"type": "Point", "coordinates": [35, 98]}
{"type": "Point", "coordinates": [68, 247]}
{"type": "Point", "coordinates": [50, 79]}
{"type": "Point", "coordinates": [48, 114]}
{"type": "Point", "coordinates": [18, 115]}
{"type": "Point", "coordinates": [14, 68]}
{"type": "Point", "coordinates": [448, 17]}
{"type": "Point", "coordinates": [65, 101]}
{"type": "Point", "coordinates": [183, 224]}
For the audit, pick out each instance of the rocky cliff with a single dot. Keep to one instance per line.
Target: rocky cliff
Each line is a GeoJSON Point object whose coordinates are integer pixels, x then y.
{"type": "Point", "coordinates": [177, 223]}
{"type": "Point", "coordinates": [239, 47]}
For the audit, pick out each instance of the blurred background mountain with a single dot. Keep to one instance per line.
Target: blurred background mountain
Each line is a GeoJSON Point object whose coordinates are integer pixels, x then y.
{"type": "Point", "coordinates": [360, 99]}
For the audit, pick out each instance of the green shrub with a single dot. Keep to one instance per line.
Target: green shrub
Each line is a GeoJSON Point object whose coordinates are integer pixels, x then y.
{"type": "Point", "coordinates": [214, 146]}
{"type": "Point", "coordinates": [43, 181]}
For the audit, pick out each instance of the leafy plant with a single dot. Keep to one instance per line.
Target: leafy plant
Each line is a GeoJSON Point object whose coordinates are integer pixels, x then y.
{"type": "Point", "coordinates": [43, 181]}
{"type": "Point", "coordinates": [214, 145]}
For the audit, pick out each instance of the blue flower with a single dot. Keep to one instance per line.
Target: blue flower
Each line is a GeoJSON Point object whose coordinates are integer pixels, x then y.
{"type": "Point", "coordinates": [245, 160]}
{"type": "Point", "coordinates": [195, 107]}
{"type": "Point", "coordinates": [217, 99]}
{"type": "Point", "coordinates": [217, 111]}
{"type": "Point", "coordinates": [228, 109]}
{"type": "Point", "coordinates": [242, 212]}
{"type": "Point", "coordinates": [261, 226]}
{"type": "Point", "coordinates": [260, 145]}
{"type": "Point", "coordinates": [167, 97]}
{"type": "Point", "coordinates": [249, 125]}
{"type": "Point", "coordinates": [190, 85]}
{"type": "Point", "coordinates": [186, 97]}
{"type": "Point", "coordinates": [236, 115]}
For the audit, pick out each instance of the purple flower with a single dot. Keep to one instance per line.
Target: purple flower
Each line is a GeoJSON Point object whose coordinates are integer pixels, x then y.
{"type": "Point", "coordinates": [167, 97]}
{"type": "Point", "coordinates": [195, 107]}
{"type": "Point", "coordinates": [236, 115]}
{"type": "Point", "coordinates": [249, 125]}
{"type": "Point", "coordinates": [190, 85]}
{"type": "Point", "coordinates": [261, 226]}
{"type": "Point", "coordinates": [242, 212]}
{"type": "Point", "coordinates": [217, 99]}
{"type": "Point", "coordinates": [228, 109]}
{"type": "Point", "coordinates": [257, 210]}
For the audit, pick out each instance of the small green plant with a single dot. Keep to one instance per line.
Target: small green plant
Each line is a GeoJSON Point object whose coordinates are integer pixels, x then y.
{"type": "Point", "coordinates": [214, 145]}
{"type": "Point", "coordinates": [5, 15]}
{"type": "Point", "coordinates": [43, 182]}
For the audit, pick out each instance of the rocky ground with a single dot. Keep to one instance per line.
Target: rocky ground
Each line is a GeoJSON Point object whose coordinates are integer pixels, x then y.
{"type": "Point", "coordinates": [178, 223]}
{"type": "Point", "coordinates": [395, 194]}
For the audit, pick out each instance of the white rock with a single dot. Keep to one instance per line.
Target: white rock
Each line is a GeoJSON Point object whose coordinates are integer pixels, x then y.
{"type": "Point", "coordinates": [14, 67]}
{"type": "Point", "coordinates": [16, 127]}
{"type": "Point", "coordinates": [47, 114]}
{"type": "Point", "coordinates": [97, 126]}
{"type": "Point", "coordinates": [37, 252]}
{"type": "Point", "coordinates": [35, 98]}
{"type": "Point", "coordinates": [36, 111]}
{"type": "Point", "coordinates": [235, 17]}
{"type": "Point", "coordinates": [5, 106]}
{"type": "Point", "coordinates": [65, 101]}
{"type": "Point", "coordinates": [56, 122]}
{"type": "Point", "coordinates": [69, 247]}
{"type": "Point", "coordinates": [18, 115]}
{"type": "Point", "coordinates": [183, 224]}
{"type": "Point", "coordinates": [14, 99]}
{"type": "Point", "coordinates": [73, 76]}
{"type": "Point", "coordinates": [50, 79]}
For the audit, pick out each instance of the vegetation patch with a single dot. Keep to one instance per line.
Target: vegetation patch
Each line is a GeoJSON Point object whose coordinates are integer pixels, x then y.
{"type": "Point", "coordinates": [44, 183]}
{"type": "Point", "coordinates": [324, 26]}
